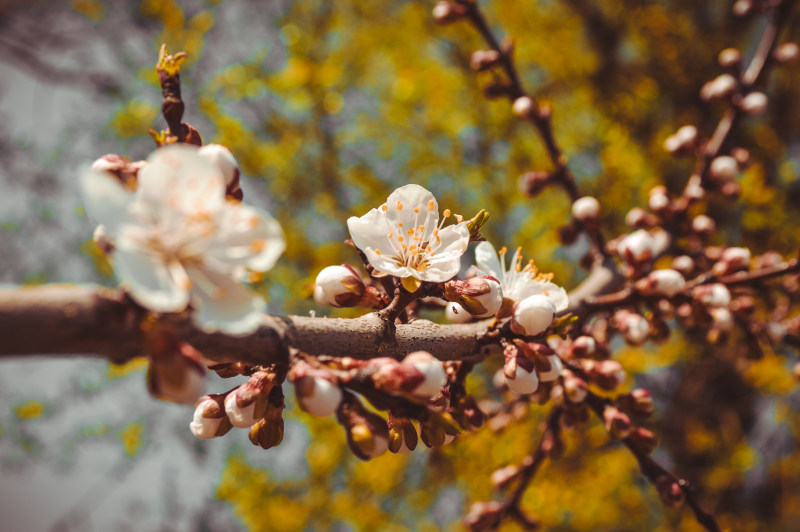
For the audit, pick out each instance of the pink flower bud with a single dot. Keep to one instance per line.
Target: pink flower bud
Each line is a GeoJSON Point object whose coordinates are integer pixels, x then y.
{"type": "Point", "coordinates": [338, 286]}
{"type": "Point", "coordinates": [729, 58]}
{"type": "Point", "coordinates": [103, 240]}
{"type": "Point", "coordinates": [484, 516]}
{"type": "Point", "coordinates": [532, 315]}
{"type": "Point", "coordinates": [524, 107]}
{"type": "Point", "coordinates": [723, 319]}
{"type": "Point", "coordinates": [584, 346]}
{"type": "Point", "coordinates": [637, 217]}
{"type": "Point", "coordinates": [456, 313]}
{"type": "Point", "coordinates": [532, 183]}
{"type": "Point", "coordinates": [447, 12]}
{"type": "Point", "coordinates": [670, 491]}
{"type": "Point", "coordinates": [210, 420]}
{"type": "Point", "coordinates": [575, 389]}
{"type": "Point", "coordinates": [723, 168]}
{"type": "Point", "coordinates": [720, 87]}
{"type": "Point", "coordinates": [786, 52]}
{"type": "Point", "coordinates": [636, 247]}
{"type": "Point", "coordinates": [754, 104]}
{"type": "Point", "coordinates": [683, 264]}
{"type": "Point", "coordinates": [524, 382]}
{"type": "Point", "coordinates": [617, 423]}
{"type": "Point", "coordinates": [682, 139]}
{"type": "Point", "coordinates": [666, 282]}
{"type": "Point", "coordinates": [703, 224]}
{"type": "Point", "coordinates": [658, 199]}
{"type": "Point", "coordinates": [432, 370]}
{"type": "Point", "coordinates": [480, 296]}
{"type": "Point", "coordinates": [222, 158]}
{"type": "Point", "coordinates": [504, 476]}
{"type": "Point", "coordinates": [608, 374]}
{"type": "Point", "coordinates": [586, 208]}
{"type": "Point", "coordinates": [644, 439]}
{"type": "Point", "coordinates": [742, 8]}
{"type": "Point", "coordinates": [639, 402]}
{"type": "Point", "coordinates": [484, 59]}
{"type": "Point", "coordinates": [634, 327]}
{"type": "Point", "coordinates": [732, 260]}
{"type": "Point", "coordinates": [694, 188]}
{"type": "Point", "coordinates": [713, 295]}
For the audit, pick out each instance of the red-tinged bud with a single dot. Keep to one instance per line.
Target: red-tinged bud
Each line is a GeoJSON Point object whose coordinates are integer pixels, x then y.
{"type": "Point", "coordinates": [787, 52]}
{"type": "Point", "coordinates": [103, 240]}
{"type": "Point", "coordinates": [432, 370]}
{"type": "Point", "coordinates": [501, 478]}
{"type": "Point", "coordinates": [607, 374]}
{"type": "Point", "coordinates": [484, 60]}
{"type": "Point", "coordinates": [441, 401]}
{"type": "Point", "coordinates": [644, 439]}
{"type": "Point", "coordinates": [583, 346]}
{"type": "Point", "coordinates": [402, 435]}
{"type": "Point", "coordinates": [484, 516]}
{"type": "Point", "coordinates": [617, 423]}
{"type": "Point", "coordinates": [210, 420]}
{"type": "Point", "coordinates": [480, 296]}
{"type": "Point", "coordinates": [267, 432]}
{"type": "Point", "coordinates": [248, 403]}
{"type": "Point", "coordinates": [468, 414]}
{"type": "Point", "coordinates": [694, 190]}
{"type": "Point", "coordinates": [732, 260]}
{"type": "Point", "coordinates": [339, 286]}
{"type": "Point", "coordinates": [448, 12]}
{"type": "Point", "coordinates": [176, 372]}
{"type": "Point", "coordinates": [575, 389]}
{"type": "Point", "coordinates": [534, 182]}
{"type": "Point", "coordinates": [703, 225]}
{"type": "Point", "coordinates": [122, 168]}
{"type": "Point", "coordinates": [634, 327]}
{"type": "Point", "coordinates": [420, 375]}
{"type": "Point", "coordinates": [729, 58]}
{"type": "Point", "coordinates": [438, 429]}
{"type": "Point", "coordinates": [367, 433]}
{"type": "Point", "coordinates": [636, 247]}
{"type": "Point", "coordinates": [316, 390]}
{"type": "Point", "coordinates": [519, 371]}
{"type": "Point", "coordinates": [670, 491]}
{"type": "Point", "coordinates": [637, 403]}
{"type": "Point", "coordinates": [754, 104]}
{"type": "Point", "coordinates": [683, 264]}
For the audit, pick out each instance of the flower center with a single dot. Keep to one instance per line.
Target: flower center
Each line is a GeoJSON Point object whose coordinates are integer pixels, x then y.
{"type": "Point", "coordinates": [413, 246]}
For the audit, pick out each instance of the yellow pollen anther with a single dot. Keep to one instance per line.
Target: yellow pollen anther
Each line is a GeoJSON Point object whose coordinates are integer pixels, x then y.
{"type": "Point", "coordinates": [384, 207]}
{"type": "Point", "coordinates": [400, 238]}
{"type": "Point", "coordinates": [377, 251]}
{"type": "Point", "coordinates": [503, 250]}
{"type": "Point", "coordinates": [435, 232]}
{"type": "Point", "coordinates": [257, 246]}
{"type": "Point", "coordinates": [390, 235]}
{"type": "Point", "coordinates": [399, 224]}
{"type": "Point", "coordinates": [430, 205]}
{"type": "Point", "coordinates": [446, 213]}
{"type": "Point", "coordinates": [410, 232]}
{"type": "Point", "coordinates": [421, 228]}
{"type": "Point", "coordinates": [399, 206]}
{"type": "Point", "coordinates": [416, 210]}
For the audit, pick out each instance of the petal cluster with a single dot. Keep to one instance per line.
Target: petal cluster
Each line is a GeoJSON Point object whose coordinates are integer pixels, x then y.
{"type": "Point", "coordinates": [403, 237]}
{"type": "Point", "coordinates": [177, 241]}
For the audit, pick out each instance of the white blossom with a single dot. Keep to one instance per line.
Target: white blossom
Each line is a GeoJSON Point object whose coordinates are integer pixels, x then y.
{"type": "Point", "coordinates": [403, 237]}
{"type": "Point", "coordinates": [586, 208]}
{"type": "Point", "coordinates": [241, 416]}
{"type": "Point", "coordinates": [178, 242]}
{"type": "Point", "coordinates": [320, 397]}
{"type": "Point", "coordinates": [432, 371]}
{"type": "Point", "coordinates": [667, 282]}
{"type": "Point", "coordinates": [456, 313]}
{"type": "Point", "coordinates": [222, 158]}
{"type": "Point", "coordinates": [637, 246]}
{"type": "Point", "coordinates": [524, 382]}
{"type": "Point", "coordinates": [338, 286]}
{"type": "Point", "coordinates": [207, 419]}
{"type": "Point", "coordinates": [555, 369]}
{"type": "Point", "coordinates": [518, 282]}
{"type": "Point", "coordinates": [533, 315]}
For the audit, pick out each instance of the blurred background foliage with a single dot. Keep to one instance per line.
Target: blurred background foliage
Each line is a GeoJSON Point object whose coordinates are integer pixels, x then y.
{"type": "Point", "coordinates": [329, 106]}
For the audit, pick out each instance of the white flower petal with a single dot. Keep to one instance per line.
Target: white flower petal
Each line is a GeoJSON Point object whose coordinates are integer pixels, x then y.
{"type": "Point", "coordinates": [177, 180]}
{"type": "Point", "coordinates": [150, 281]}
{"type": "Point", "coordinates": [410, 196]}
{"type": "Point", "coordinates": [446, 259]}
{"type": "Point", "coordinates": [224, 304]}
{"type": "Point", "coordinates": [105, 200]}
{"type": "Point", "coordinates": [385, 264]}
{"type": "Point", "coordinates": [369, 231]}
{"type": "Point", "coordinates": [247, 237]}
{"type": "Point", "coordinates": [488, 261]}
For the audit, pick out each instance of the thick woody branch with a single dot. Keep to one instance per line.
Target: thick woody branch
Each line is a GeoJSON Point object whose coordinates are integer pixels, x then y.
{"type": "Point", "coordinates": [74, 320]}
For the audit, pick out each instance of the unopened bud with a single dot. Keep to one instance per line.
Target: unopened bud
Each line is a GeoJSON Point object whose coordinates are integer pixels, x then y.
{"type": "Point", "coordinates": [532, 183]}
{"type": "Point", "coordinates": [402, 435]}
{"type": "Point", "coordinates": [617, 423]}
{"type": "Point", "coordinates": [484, 59]}
{"type": "Point", "coordinates": [524, 107]}
{"type": "Point", "coordinates": [754, 104]}
{"type": "Point", "coordinates": [607, 374]}
{"type": "Point", "coordinates": [786, 53]}
{"type": "Point", "coordinates": [483, 516]}
{"type": "Point", "coordinates": [437, 430]}
{"type": "Point", "coordinates": [317, 395]}
{"type": "Point", "coordinates": [713, 295]}
{"type": "Point", "coordinates": [338, 286]}
{"type": "Point", "coordinates": [468, 414]}
{"type": "Point", "coordinates": [447, 12]}
{"type": "Point", "coordinates": [723, 319]}
{"type": "Point", "coordinates": [456, 313]}
{"type": "Point", "coordinates": [247, 404]}
{"type": "Point", "coordinates": [670, 491]}
{"type": "Point", "coordinates": [694, 188]}
{"type": "Point", "coordinates": [683, 139]}
{"type": "Point", "coordinates": [733, 259]}
{"type": "Point", "coordinates": [658, 199]}
{"type": "Point", "coordinates": [176, 373]}
{"type": "Point", "coordinates": [367, 433]}
{"type": "Point", "coordinates": [210, 420]}
{"type": "Point", "coordinates": [103, 240]}
{"type": "Point", "coordinates": [584, 346]}
{"type": "Point", "coordinates": [634, 327]}
{"type": "Point", "coordinates": [644, 439]}
{"type": "Point", "coordinates": [723, 168]}
{"type": "Point", "coordinates": [683, 264]}
{"type": "Point", "coordinates": [636, 247]}
{"type": "Point", "coordinates": [638, 403]}
{"type": "Point", "coordinates": [638, 218]}
{"type": "Point", "coordinates": [742, 8]}
{"type": "Point", "coordinates": [666, 282]}
{"type": "Point", "coordinates": [586, 209]}
{"type": "Point", "coordinates": [504, 476]}
{"type": "Point", "coordinates": [267, 432]}
{"type": "Point", "coordinates": [480, 296]}
{"type": "Point", "coordinates": [720, 87]}
{"type": "Point", "coordinates": [703, 225]}
{"type": "Point", "coordinates": [532, 315]}
{"type": "Point", "coordinates": [575, 389]}
{"type": "Point", "coordinates": [432, 370]}
{"type": "Point", "coordinates": [729, 58]}
{"type": "Point", "coordinates": [556, 366]}
{"type": "Point", "coordinates": [520, 373]}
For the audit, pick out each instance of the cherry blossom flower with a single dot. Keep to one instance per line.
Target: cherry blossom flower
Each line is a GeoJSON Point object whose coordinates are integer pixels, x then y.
{"type": "Point", "coordinates": [404, 238]}
{"type": "Point", "coordinates": [517, 282]}
{"type": "Point", "coordinates": [178, 242]}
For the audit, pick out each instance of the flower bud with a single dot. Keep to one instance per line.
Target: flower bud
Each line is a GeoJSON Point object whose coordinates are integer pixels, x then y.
{"type": "Point", "coordinates": [316, 391]}
{"type": "Point", "coordinates": [222, 158]}
{"type": "Point", "coordinates": [504, 476]}
{"type": "Point", "coordinates": [703, 225]}
{"type": "Point", "coordinates": [658, 199]}
{"type": "Point", "coordinates": [519, 371]}
{"type": "Point", "coordinates": [754, 104]}
{"type": "Point", "coordinates": [742, 8]}
{"type": "Point", "coordinates": [694, 188]}
{"type": "Point", "coordinates": [720, 87]}
{"type": "Point", "coordinates": [267, 432]}
{"type": "Point", "coordinates": [532, 315]}
{"type": "Point", "coordinates": [468, 414]}
{"type": "Point", "coordinates": [103, 240]}
{"type": "Point", "coordinates": [210, 420]}
{"type": "Point", "coordinates": [456, 313]}
{"type": "Point", "coordinates": [786, 52]}
{"type": "Point", "coordinates": [447, 12]}
{"type": "Point", "coordinates": [723, 168]}
{"type": "Point", "coordinates": [638, 218]}
{"type": "Point", "coordinates": [484, 59]}
{"type": "Point", "coordinates": [729, 58]}
{"type": "Point", "coordinates": [681, 140]}
{"type": "Point", "coordinates": [437, 430]}
{"type": "Point", "coordinates": [617, 423]}
{"type": "Point", "coordinates": [367, 433]}
{"type": "Point", "coordinates": [584, 346]}
{"type": "Point", "coordinates": [338, 286]}
{"type": "Point", "coordinates": [532, 183]}
{"type": "Point", "coordinates": [607, 374]}
{"type": "Point", "coordinates": [575, 389]}
{"type": "Point", "coordinates": [670, 491]}
{"type": "Point", "coordinates": [524, 107]}
{"type": "Point", "coordinates": [732, 260]}
{"type": "Point", "coordinates": [667, 283]}
{"type": "Point", "coordinates": [644, 439]}
{"type": "Point", "coordinates": [176, 373]}
{"type": "Point", "coordinates": [402, 435]}
{"type": "Point", "coordinates": [638, 403]}
{"type": "Point", "coordinates": [432, 370]}
{"type": "Point", "coordinates": [723, 319]}
{"type": "Point", "coordinates": [247, 404]}
{"type": "Point", "coordinates": [636, 247]}
{"type": "Point", "coordinates": [480, 296]}
{"type": "Point", "coordinates": [586, 209]}
{"type": "Point", "coordinates": [683, 264]}
{"type": "Point", "coordinates": [634, 327]}
{"type": "Point", "coordinates": [483, 516]}
{"type": "Point", "coordinates": [120, 167]}
{"type": "Point", "coordinates": [712, 295]}
{"type": "Point", "coordinates": [555, 369]}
